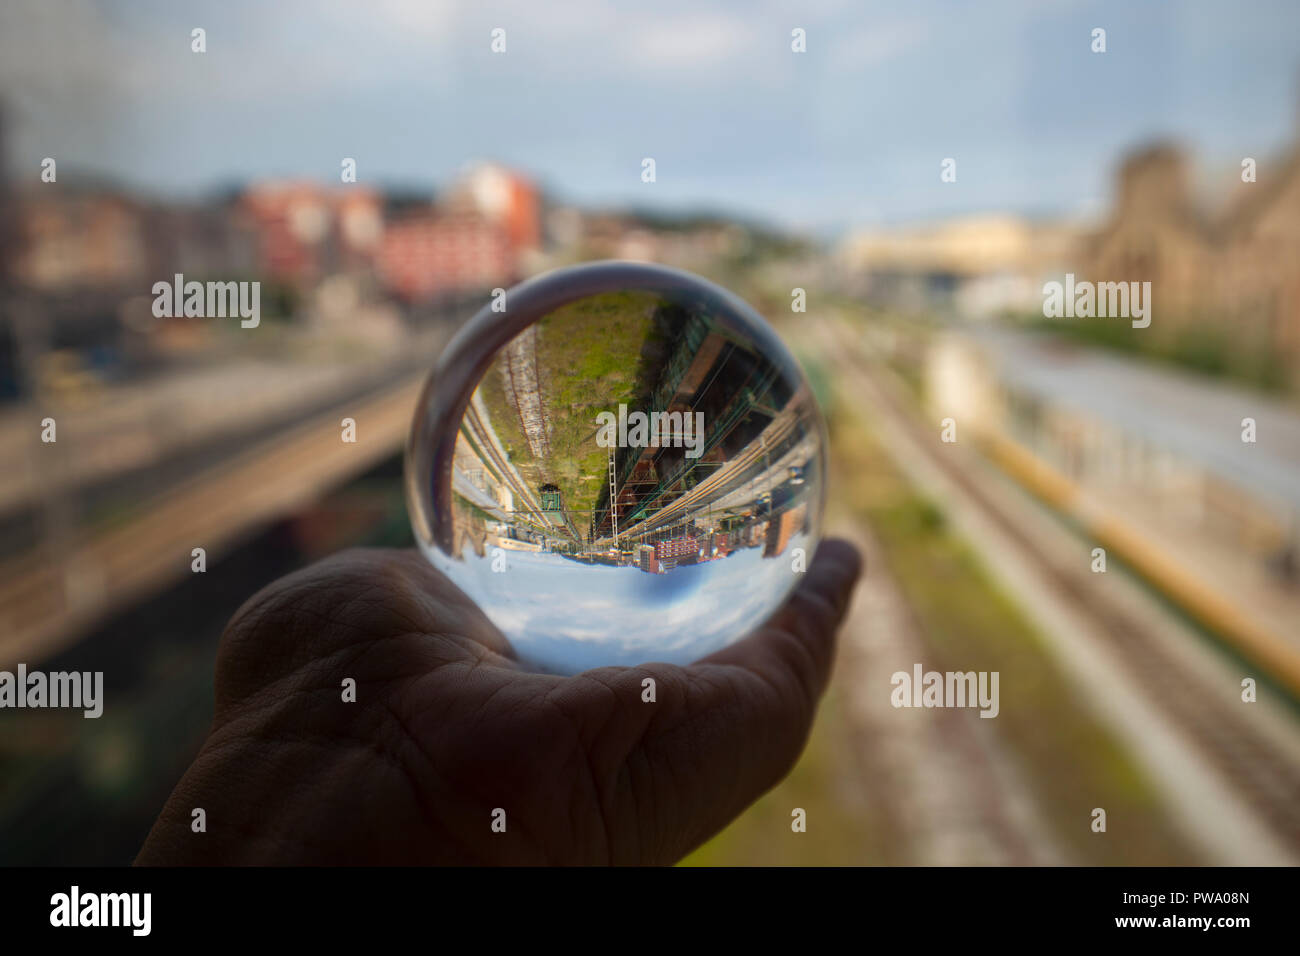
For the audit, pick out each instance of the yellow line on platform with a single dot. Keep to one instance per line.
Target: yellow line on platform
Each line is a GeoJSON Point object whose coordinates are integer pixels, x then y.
{"type": "Point", "coordinates": [1189, 591]}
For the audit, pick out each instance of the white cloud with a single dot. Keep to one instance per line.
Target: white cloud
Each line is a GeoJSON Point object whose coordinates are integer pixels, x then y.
{"type": "Point", "coordinates": [703, 40]}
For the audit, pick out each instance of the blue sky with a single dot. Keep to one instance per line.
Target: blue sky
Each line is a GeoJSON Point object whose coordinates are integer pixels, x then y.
{"type": "Point", "coordinates": [850, 133]}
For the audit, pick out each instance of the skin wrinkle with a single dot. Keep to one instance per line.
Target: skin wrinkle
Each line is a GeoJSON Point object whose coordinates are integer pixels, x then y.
{"type": "Point", "coordinates": [280, 797]}
{"type": "Point", "coordinates": [362, 650]}
{"type": "Point", "coordinates": [683, 732]}
{"type": "Point", "coordinates": [756, 712]}
{"type": "Point", "coordinates": [770, 684]}
{"type": "Point", "coordinates": [600, 793]}
{"type": "Point", "coordinates": [483, 710]}
{"type": "Point", "coordinates": [274, 697]}
{"type": "Point", "coordinates": [643, 818]}
{"type": "Point", "coordinates": [525, 707]}
{"type": "Point", "coordinates": [417, 794]}
{"type": "Point", "coordinates": [666, 779]}
{"type": "Point", "coordinates": [247, 826]}
{"type": "Point", "coordinates": [485, 658]}
{"type": "Point", "coordinates": [429, 698]}
{"type": "Point", "coordinates": [584, 817]}
{"type": "Point", "coordinates": [668, 680]}
{"type": "Point", "coordinates": [329, 741]}
{"type": "Point", "coordinates": [513, 818]}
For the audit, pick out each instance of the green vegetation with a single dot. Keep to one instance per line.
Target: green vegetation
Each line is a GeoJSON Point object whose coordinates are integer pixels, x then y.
{"type": "Point", "coordinates": [1211, 348]}
{"type": "Point", "coordinates": [591, 356]}
{"type": "Point", "coordinates": [819, 377]}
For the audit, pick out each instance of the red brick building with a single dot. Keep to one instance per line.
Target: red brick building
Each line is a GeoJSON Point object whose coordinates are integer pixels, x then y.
{"type": "Point", "coordinates": [686, 546]}
{"type": "Point", "coordinates": [426, 254]}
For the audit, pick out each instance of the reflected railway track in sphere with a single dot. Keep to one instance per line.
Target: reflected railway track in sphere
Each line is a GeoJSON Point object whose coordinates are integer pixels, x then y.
{"type": "Point", "coordinates": [718, 483]}
{"type": "Point", "coordinates": [486, 440]}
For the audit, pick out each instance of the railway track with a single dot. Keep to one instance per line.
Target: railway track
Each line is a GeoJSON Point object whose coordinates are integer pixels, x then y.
{"type": "Point", "coordinates": [524, 392]}
{"type": "Point", "coordinates": [1264, 776]}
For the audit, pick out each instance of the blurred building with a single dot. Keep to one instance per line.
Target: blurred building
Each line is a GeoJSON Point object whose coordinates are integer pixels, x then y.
{"type": "Point", "coordinates": [1230, 268]}
{"type": "Point", "coordinates": [503, 198]}
{"type": "Point", "coordinates": [974, 266]}
{"type": "Point", "coordinates": [199, 241]}
{"type": "Point", "coordinates": [1155, 232]}
{"type": "Point", "coordinates": [105, 241]}
{"type": "Point", "coordinates": [305, 231]}
{"type": "Point", "coordinates": [1259, 275]}
{"type": "Point", "coordinates": [76, 238]}
{"type": "Point", "coordinates": [1225, 260]}
{"type": "Point", "coordinates": [484, 234]}
{"type": "Point", "coordinates": [87, 257]}
{"type": "Point", "coordinates": [1237, 267]}
{"type": "Point", "coordinates": [429, 253]}
{"type": "Point", "coordinates": [687, 242]}
{"type": "Point", "coordinates": [782, 527]}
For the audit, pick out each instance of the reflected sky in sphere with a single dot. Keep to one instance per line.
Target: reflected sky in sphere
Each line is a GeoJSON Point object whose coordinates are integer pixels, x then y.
{"type": "Point", "coordinates": [561, 622]}
{"type": "Point", "coordinates": [624, 464]}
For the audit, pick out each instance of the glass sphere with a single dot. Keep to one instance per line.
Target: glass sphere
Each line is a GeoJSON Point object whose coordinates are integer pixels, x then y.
{"type": "Point", "coordinates": [620, 463]}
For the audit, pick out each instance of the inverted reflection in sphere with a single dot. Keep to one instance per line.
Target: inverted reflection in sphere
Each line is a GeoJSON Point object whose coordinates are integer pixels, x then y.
{"type": "Point", "coordinates": [624, 464]}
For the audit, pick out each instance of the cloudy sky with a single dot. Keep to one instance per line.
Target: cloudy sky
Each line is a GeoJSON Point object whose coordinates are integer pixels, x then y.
{"type": "Point", "coordinates": [852, 132]}
{"type": "Point", "coordinates": [569, 617]}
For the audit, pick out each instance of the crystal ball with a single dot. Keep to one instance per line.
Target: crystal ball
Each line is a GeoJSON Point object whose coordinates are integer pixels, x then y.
{"type": "Point", "coordinates": [619, 463]}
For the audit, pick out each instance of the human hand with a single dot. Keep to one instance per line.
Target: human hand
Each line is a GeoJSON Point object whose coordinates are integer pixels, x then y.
{"type": "Point", "coordinates": [447, 727]}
